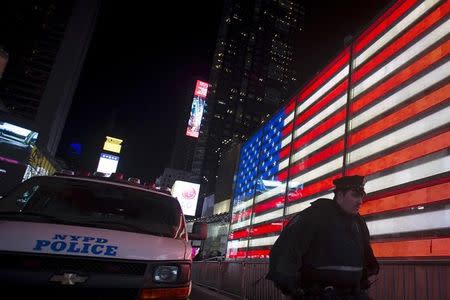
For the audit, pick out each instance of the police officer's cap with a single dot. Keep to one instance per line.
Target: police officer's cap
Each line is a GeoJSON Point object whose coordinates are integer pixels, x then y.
{"type": "Point", "coordinates": [355, 182]}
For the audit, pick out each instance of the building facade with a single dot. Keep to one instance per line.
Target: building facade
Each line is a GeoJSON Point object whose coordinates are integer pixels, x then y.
{"type": "Point", "coordinates": [251, 76]}
{"type": "Point", "coordinates": [379, 109]}
{"type": "Point", "coordinates": [169, 176]}
{"type": "Point", "coordinates": [47, 42]}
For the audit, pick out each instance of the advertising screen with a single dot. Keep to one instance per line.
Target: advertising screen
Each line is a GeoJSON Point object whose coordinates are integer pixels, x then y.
{"type": "Point", "coordinates": [113, 144]}
{"type": "Point", "coordinates": [201, 89]}
{"type": "Point", "coordinates": [187, 195]}
{"type": "Point", "coordinates": [16, 142]}
{"type": "Point", "coordinates": [195, 119]}
{"type": "Point", "coordinates": [197, 109]}
{"type": "Point", "coordinates": [107, 163]}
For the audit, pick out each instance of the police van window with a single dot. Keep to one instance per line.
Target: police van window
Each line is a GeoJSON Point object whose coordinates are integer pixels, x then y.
{"type": "Point", "coordinates": [23, 200]}
{"type": "Point", "coordinates": [17, 198]}
{"type": "Point", "coordinates": [99, 204]}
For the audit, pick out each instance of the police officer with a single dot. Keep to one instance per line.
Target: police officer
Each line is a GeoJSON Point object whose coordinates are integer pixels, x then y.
{"type": "Point", "coordinates": [328, 248]}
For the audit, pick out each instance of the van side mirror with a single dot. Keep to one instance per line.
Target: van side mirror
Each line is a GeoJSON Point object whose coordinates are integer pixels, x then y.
{"type": "Point", "coordinates": [199, 231]}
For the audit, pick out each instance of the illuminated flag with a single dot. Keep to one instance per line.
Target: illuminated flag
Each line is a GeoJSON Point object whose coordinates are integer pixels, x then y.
{"type": "Point", "coordinates": [380, 109]}
{"type": "Point", "coordinates": [261, 182]}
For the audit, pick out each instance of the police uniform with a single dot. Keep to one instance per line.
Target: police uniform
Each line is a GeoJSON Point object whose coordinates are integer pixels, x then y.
{"type": "Point", "coordinates": [330, 250]}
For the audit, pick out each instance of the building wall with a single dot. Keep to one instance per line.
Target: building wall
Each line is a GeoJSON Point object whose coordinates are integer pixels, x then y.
{"type": "Point", "coordinates": [63, 79]}
{"type": "Point", "coordinates": [379, 109]}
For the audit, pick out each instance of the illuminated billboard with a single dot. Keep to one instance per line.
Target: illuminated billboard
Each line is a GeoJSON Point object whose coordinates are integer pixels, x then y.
{"type": "Point", "coordinates": [201, 89]}
{"type": "Point", "coordinates": [187, 195]}
{"type": "Point", "coordinates": [16, 144]}
{"type": "Point", "coordinates": [197, 109]}
{"type": "Point", "coordinates": [107, 163]}
{"type": "Point", "coordinates": [112, 144]}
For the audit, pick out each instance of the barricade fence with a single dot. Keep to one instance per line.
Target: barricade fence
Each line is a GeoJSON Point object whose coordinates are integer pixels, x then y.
{"type": "Point", "coordinates": [420, 279]}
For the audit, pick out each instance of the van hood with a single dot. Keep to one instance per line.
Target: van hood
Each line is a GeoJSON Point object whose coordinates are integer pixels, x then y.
{"type": "Point", "coordinates": [60, 239]}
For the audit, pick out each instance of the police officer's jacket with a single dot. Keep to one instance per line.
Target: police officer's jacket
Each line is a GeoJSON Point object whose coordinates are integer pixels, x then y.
{"type": "Point", "coordinates": [326, 245]}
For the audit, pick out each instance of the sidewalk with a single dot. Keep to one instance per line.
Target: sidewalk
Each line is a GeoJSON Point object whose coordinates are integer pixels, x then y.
{"type": "Point", "coordinates": [201, 292]}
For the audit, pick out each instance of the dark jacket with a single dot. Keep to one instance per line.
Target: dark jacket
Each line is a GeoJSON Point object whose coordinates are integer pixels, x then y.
{"type": "Point", "coordinates": [317, 240]}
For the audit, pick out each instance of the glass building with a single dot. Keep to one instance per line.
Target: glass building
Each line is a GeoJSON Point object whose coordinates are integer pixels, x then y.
{"type": "Point", "coordinates": [251, 76]}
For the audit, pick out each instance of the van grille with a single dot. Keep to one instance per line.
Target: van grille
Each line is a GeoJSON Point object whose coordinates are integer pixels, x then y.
{"type": "Point", "coordinates": [62, 263]}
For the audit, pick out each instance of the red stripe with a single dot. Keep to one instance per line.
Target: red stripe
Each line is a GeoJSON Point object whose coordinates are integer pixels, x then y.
{"type": "Point", "coordinates": [381, 24]}
{"type": "Point", "coordinates": [320, 129]}
{"type": "Point", "coordinates": [290, 107]}
{"type": "Point", "coordinates": [282, 176]}
{"type": "Point", "coordinates": [285, 152]}
{"type": "Point", "coordinates": [431, 247]}
{"type": "Point", "coordinates": [245, 214]}
{"type": "Point", "coordinates": [430, 58]}
{"type": "Point", "coordinates": [420, 149]}
{"type": "Point", "coordinates": [423, 196]}
{"type": "Point", "coordinates": [238, 234]}
{"type": "Point", "coordinates": [326, 153]}
{"type": "Point", "coordinates": [312, 110]}
{"type": "Point", "coordinates": [328, 72]}
{"type": "Point", "coordinates": [315, 188]}
{"type": "Point", "coordinates": [287, 130]}
{"type": "Point", "coordinates": [237, 254]}
{"type": "Point", "coordinates": [266, 228]}
{"type": "Point", "coordinates": [260, 253]}
{"type": "Point", "coordinates": [276, 202]}
{"type": "Point", "coordinates": [401, 42]}
{"type": "Point", "coordinates": [408, 112]}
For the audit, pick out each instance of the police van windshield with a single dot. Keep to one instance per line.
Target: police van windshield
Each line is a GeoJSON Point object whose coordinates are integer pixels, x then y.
{"type": "Point", "coordinates": [94, 203]}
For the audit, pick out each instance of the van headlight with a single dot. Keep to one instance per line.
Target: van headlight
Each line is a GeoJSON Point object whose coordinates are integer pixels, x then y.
{"type": "Point", "coordinates": [166, 274]}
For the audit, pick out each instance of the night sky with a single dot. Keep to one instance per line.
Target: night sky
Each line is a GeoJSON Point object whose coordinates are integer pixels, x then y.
{"type": "Point", "coordinates": [143, 61]}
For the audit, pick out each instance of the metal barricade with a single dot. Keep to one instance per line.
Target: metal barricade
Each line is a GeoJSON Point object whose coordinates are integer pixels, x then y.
{"type": "Point", "coordinates": [421, 279]}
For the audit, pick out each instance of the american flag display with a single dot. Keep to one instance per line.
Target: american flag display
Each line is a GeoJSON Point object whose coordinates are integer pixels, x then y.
{"type": "Point", "coordinates": [379, 109]}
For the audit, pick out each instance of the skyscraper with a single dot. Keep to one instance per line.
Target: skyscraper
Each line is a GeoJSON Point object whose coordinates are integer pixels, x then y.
{"type": "Point", "coordinates": [46, 41]}
{"type": "Point", "coordinates": [251, 75]}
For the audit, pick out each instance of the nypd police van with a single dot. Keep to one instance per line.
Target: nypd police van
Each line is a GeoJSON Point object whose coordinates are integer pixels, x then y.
{"type": "Point", "coordinates": [70, 237]}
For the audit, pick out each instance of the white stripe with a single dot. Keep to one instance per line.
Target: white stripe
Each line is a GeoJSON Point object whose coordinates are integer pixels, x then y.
{"type": "Point", "coordinates": [437, 166]}
{"type": "Point", "coordinates": [408, 132]}
{"type": "Point", "coordinates": [238, 225]}
{"type": "Point", "coordinates": [289, 118]}
{"type": "Point", "coordinates": [395, 31]}
{"type": "Point", "coordinates": [326, 168]}
{"type": "Point", "coordinates": [325, 140]}
{"type": "Point", "coordinates": [403, 58]}
{"type": "Point", "coordinates": [321, 116]}
{"type": "Point", "coordinates": [323, 90]}
{"type": "Point", "coordinates": [281, 189]}
{"type": "Point", "coordinates": [268, 216]}
{"type": "Point", "coordinates": [417, 222]}
{"type": "Point", "coordinates": [265, 241]}
{"type": "Point", "coordinates": [402, 95]}
{"type": "Point", "coordinates": [243, 205]}
{"type": "Point", "coordinates": [286, 140]}
{"type": "Point", "coordinates": [237, 244]}
{"type": "Point", "coordinates": [283, 164]}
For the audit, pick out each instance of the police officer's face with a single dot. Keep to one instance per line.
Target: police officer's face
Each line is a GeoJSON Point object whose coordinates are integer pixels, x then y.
{"type": "Point", "coordinates": [349, 201]}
